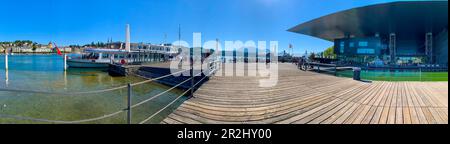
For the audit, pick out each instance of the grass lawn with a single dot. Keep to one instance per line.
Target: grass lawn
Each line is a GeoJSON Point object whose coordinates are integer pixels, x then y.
{"type": "Point", "coordinates": [398, 76]}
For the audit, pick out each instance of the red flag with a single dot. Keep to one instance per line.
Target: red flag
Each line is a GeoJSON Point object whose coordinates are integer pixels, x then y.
{"type": "Point", "coordinates": [57, 50]}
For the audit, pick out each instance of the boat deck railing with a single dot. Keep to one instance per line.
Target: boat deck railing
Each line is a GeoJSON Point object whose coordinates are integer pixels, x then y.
{"type": "Point", "coordinates": [322, 67]}
{"type": "Point", "coordinates": [189, 92]}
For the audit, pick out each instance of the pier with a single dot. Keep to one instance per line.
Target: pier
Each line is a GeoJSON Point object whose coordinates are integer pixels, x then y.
{"type": "Point", "coordinates": [136, 61]}
{"type": "Point", "coordinates": [123, 70]}
{"type": "Point", "coordinates": [304, 97]}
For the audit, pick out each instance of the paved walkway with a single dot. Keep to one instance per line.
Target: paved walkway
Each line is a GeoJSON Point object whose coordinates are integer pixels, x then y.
{"type": "Point", "coordinates": [307, 97]}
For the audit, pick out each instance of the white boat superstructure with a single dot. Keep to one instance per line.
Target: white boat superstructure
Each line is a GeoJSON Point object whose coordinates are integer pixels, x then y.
{"type": "Point", "coordinates": [101, 58]}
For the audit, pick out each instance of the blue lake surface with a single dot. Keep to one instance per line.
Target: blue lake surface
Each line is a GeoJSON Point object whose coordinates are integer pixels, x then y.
{"type": "Point", "coordinates": [46, 73]}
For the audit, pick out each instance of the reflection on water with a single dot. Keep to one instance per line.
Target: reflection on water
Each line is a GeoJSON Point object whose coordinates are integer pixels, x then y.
{"type": "Point", "coordinates": [6, 78]}
{"type": "Point", "coordinates": [46, 73]}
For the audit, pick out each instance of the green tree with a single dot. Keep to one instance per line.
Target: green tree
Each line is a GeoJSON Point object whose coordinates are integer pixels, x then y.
{"type": "Point", "coordinates": [312, 56]}
{"type": "Point", "coordinates": [329, 52]}
{"type": "Point", "coordinates": [34, 47]}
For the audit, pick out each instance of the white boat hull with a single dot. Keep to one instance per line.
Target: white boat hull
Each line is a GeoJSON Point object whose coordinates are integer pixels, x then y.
{"type": "Point", "coordinates": [87, 64]}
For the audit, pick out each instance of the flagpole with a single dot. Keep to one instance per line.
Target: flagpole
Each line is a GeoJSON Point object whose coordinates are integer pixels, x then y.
{"type": "Point", "coordinates": [6, 59]}
{"type": "Point", "coordinates": [6, 65]}
{"type": "Point", "coordinates": [65, 59]}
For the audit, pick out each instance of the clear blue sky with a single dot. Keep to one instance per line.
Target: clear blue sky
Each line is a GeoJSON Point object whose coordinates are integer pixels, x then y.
{"type": "Point", "coordinates": [83, 21]}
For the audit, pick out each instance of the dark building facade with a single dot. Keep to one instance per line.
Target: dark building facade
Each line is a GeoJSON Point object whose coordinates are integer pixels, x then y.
{"type": "Point", "coordinates": [397, 33]}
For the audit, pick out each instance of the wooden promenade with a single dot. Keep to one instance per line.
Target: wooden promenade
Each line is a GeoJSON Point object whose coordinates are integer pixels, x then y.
{"type": "Point", "coordinates": [306, 97]}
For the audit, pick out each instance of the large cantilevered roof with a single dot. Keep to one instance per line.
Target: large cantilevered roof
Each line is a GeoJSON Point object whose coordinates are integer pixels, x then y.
{"type": "Point", "coordinates": [407, 19]}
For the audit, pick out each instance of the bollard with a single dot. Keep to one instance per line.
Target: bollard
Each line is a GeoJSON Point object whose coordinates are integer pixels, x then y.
{"type": "Point", "coordinates": [357, 74]}
{"type": "Point", "coordinates": [129, 104]}
{"type": "Point", "coordinates": [335, 70]}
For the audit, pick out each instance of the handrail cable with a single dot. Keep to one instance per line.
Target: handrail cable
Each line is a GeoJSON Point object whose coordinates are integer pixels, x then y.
{"type": "Point", "coordinates": [87, 92]}
{"type": "Point", "coordinates": [96, 118]}
{"type": "Point", "coordinates": [153, 115]}
{"type": "Point", "coordinates": [147, 119]}
{"type": "Point", "coordinates": [156, 96]}
{"type": "Point", "coordinates": [98, 91]}
{"type": "Point", "coordinates": [91, 119]}
{"type": "Point", "coordinates": [61, 121]}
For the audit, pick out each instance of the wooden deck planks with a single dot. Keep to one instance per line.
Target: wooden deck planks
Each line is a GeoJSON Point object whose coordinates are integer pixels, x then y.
{"type": "Point", "coordinates": [307, 97]}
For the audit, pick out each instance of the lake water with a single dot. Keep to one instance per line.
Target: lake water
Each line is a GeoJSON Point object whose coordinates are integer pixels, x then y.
{"type": "Point", "coordinates": [46, 73]}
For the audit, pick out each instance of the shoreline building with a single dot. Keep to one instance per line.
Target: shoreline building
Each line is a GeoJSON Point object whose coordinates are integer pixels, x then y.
{"type": "Point", "coordinates": [409, 33]}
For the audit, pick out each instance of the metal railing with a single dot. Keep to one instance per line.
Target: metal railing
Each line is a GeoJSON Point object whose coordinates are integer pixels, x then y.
{"type": "Point", "coordinates": [321, 67]}
{"type": "Point", "coordinates": [129, 106]}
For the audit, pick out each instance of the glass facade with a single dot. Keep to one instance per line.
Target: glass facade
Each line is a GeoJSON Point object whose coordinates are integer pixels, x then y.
{"type": "Point", "coordinates": [363, 44]}
{"type": "Point", "coordinates": [351, 44]}
{"type": "Point", "coordinates": [360, 50]}
{"type": "Point", "coordinates": [365, 51]}
{"type": "Point", "coordinates": [370, 46]}
{"type": "Point", "coordinates": [374, 49]}
{"type": "Point", "coordinates": [342, 47]}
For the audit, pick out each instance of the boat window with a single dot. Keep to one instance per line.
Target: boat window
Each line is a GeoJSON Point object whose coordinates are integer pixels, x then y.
{"type": "Point", "coordinates": [96, 56]}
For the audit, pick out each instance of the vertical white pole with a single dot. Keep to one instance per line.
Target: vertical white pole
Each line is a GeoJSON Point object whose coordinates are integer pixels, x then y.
{"type": "Point", "coordinates": [127, 40]}
{"type": "Point", "coordinates": [6, 77]}
{"type": "Point", "coordinates": [65, 62]}
{"type": "Point", "coordinates": [6, 61]}
{"type": "Point", "coordinates": [6, 65]}
{"type": "Point", "coordinates": [65, 80]}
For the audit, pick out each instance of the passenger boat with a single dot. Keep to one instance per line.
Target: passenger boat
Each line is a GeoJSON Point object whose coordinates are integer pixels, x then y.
{"type": "Point", "coordinates": [101, 58]}
{"type": "Point", "coordinates": [97, 58]}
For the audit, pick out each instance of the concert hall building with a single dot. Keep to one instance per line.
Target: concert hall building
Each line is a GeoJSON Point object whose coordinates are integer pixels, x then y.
{"type": "Point", "coordinates": [396, 33]}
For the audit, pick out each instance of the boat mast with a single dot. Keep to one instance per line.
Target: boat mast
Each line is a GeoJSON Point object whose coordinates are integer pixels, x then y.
{"type": "Point", "coordinates": [179, 35]}
{"type": "Point", "coordinates": [127, 41]}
